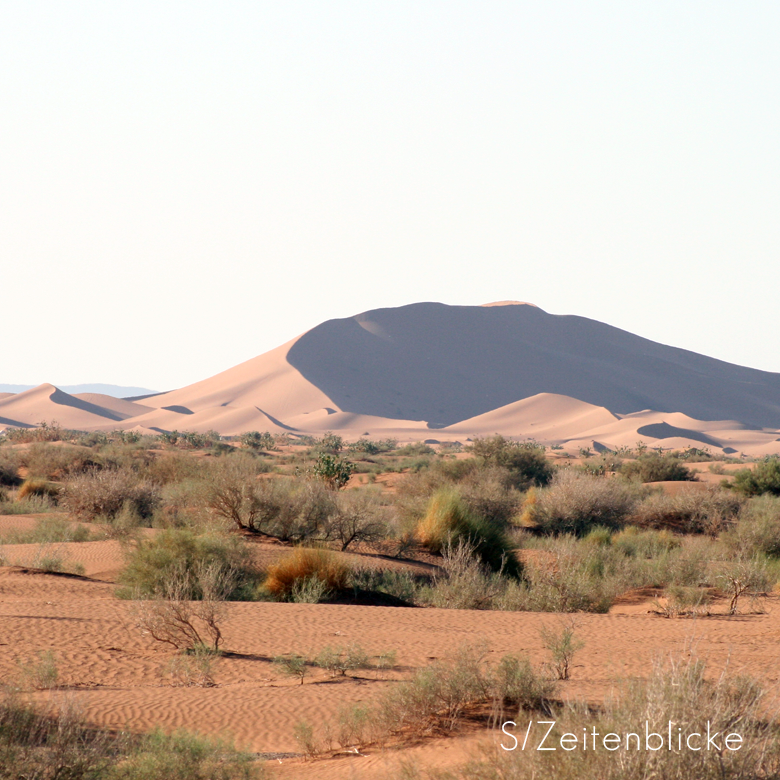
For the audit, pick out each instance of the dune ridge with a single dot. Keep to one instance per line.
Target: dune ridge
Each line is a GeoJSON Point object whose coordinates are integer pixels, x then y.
{"type": "Point", "coordinates": [432, 371]}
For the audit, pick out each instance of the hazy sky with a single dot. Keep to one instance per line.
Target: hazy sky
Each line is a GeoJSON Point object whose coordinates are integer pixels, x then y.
{"type": "Point", "coordinates": [185, 185]}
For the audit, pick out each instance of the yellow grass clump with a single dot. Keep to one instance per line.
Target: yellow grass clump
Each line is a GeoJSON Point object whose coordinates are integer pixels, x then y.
{"type": "Point", "coordinates": [305, 563]}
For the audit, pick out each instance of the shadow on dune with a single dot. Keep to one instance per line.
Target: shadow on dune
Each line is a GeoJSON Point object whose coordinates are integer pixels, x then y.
{"type": "Point", "coordinates": [444, 364]}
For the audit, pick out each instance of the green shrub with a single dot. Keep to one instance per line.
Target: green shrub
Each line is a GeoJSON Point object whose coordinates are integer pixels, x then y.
{"type": "Point", "coordinates": [333, 471]}
{"type": "Point", "coordinates": [764, 478]}
{"type": "Point", "coordinates": [757, 530]}
{"type": "Point", "coordinates": [448, 521]}
{"type": "Point", "coordinates": [656, 468]}
{"type": "Point", "coordinates": [154, 561]}
{"type": "Point", "coordinates": [525, 461]}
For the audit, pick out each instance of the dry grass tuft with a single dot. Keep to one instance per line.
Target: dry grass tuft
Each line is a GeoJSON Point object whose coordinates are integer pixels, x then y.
{"type": "Point", "coordinates": [305, 563]}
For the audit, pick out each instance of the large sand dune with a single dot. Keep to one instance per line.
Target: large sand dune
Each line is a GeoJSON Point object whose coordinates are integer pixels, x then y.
{"type": "Point", "coordinates": [462, 371]}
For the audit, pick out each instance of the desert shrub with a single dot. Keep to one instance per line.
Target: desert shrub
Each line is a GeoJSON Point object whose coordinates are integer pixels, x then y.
{"type": "Point", "coordinates": [9, 468]}
{"type": "Point", "coordinates": [184, 505]}
{"type": "Point", "coordinates": [332, 471]}
{"type": "Point", "coordinates": [401, 585]}
{"type": "Point", "coordinates": [525, 461]}
{"type": "Point", "coordinates": [637, 543]}
{"type": "Point", "coordinates": [371, 446]}
{"type": "Point", "coordinates": [745, 576]}
{"type": "Point", "coordinates": [188, 607]}
{"type": "Point", "coordinates": [305, 563]}
{"type": "Point", "coordinates": [448, 520]}
{"type": "Point", "coordinates": [757, 530]}
{"type": "Point", "coordinates": [32, 505]}
{"type": "Point", "coordinates": [656, 468]}
{"type": "Point", "coordinates": [438, 696]}
{"type": "Point", "coordinates": [562, 645]}
{"type": "Point", "coordinates": [489, 493]}
{"type": "Point", "coordinates": [296, 510]}
{"type": "Point", "coordinates": [678, 692]}
{"type": "Point", "coordinates": [292, 665]}
{"type": "Point", "coordinates": [235, 493]}
{"type": "Point", "coordinates": [47, 461]}
{"type": "Point", "coordinates": [170, 467]}
{"type": "Point", "coordinates": [764, 478]}
{"type": "Point", "coordinates": [463, 581]}
{"type": "Point", "coordinates": [47, 530]}
{"type": "Point", "coordinates": [103, 493]}
{"type": "Point", "coordinates": [38, 487]}
{"type": "Point", "coordinates": [258, 441]}
{"type": "Point", "coordinates": [567, 575]}
{"type": "Point", "coordinates": [339, 661]}
{"type": "Point", "coordinates": [576, 502]}
{"type": "Point", "coordinates": [183, 756]}
{"type": "Point", "coordinates": [682, 600]}
{"type": "Point", "coordinates": [359, 516]}
{"type": "Point", "coordinates": [689, 511]}
{"type": "Point", "coordinates": [192, 669]}
{"type": "Point", "coordinates": [39, 673]}
{"type": "Point", "coordinates": [154, 561]}
{"type": "Point", "coordinates": [47, 743]}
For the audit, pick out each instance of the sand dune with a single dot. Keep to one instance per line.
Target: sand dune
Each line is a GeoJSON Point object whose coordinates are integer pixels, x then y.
{"type": "Point", "coordinates": [227, 420]}
{"type": "Point", "coordinates": [118, 406]}
{"type": "Point", "coordinates": [268, 382]}
{"type": "Point", "coordinates": [461, 371]}
{"type": "Point", "coordinates": [545, 416]}
{"type": "Point", "coordinates": [48, 403]}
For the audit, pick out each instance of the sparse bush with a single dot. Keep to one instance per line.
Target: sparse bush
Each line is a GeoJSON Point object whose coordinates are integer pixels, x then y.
{"type": "Point", "coordinates": [745, 576]}
{"type": "Point", "coordinates": [258, 441]}
{"type": "Point", "coordinates": [682, 600]}
{"type": "Point", "coordinates": [341, 660]}
{"type": "Point", "coordinates": [757, 530]}
{"type": "Point", "coordinates": [359, 517]}
{"type": "Point", "coordinates": [678, 692]}
{"type": "Point", "coordinates": [638, 543]}
{"type": "Point", "coordinates": [292, 665]}
{"type": "Point", "coordinates": [47, 461]}
{"type": "Point", "coordinates": [174, 617]}
{"type": "Point", "coordinates": [576, 502]}
{"type": "Point", "coordinates": [525, 461]}
{"type": "Point", "coordinates": [40, 673]}
{"type": "Point", "coordinates": [764, 478]}
{"type": "Point", "coordinates": [464, 583]}
{"type": "Point", "coordinates": [562, 646]}
{"type": "Point", "coordinates": [104, 493]}
{"type": "Point", "coordinates": [47, 530]}
{"type": "Point", "coordinates": [192, 669]}
{"type": "Point", "coordinates": [303, 564]}
{"type": "Point", "coordinates": [656, 468]}
{"type": "Point", "coordinates": [689, 511]}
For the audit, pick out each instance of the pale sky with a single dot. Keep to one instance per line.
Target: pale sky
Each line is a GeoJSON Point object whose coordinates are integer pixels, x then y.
{"type": "Point", "coordinates": [185, 185]}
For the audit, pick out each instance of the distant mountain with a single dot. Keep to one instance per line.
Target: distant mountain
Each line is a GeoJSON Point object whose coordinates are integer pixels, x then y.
{"type": "Point", "coordinates": [117, 391]}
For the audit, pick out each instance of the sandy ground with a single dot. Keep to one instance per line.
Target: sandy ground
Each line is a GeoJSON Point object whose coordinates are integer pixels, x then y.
{"type": "Point", "coordinates": [117, 676]}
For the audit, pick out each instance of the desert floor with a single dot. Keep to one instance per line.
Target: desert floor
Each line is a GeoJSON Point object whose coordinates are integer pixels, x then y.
{"type": "Point", "coordinates": [116, 677]}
